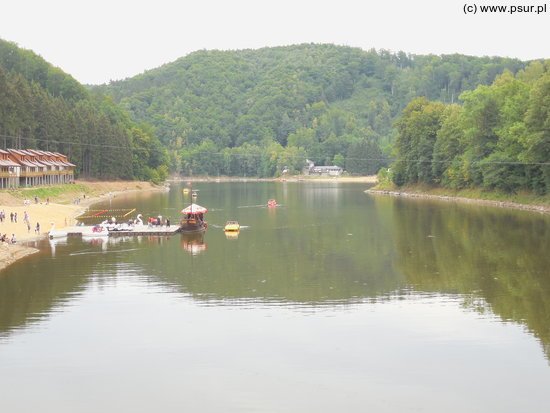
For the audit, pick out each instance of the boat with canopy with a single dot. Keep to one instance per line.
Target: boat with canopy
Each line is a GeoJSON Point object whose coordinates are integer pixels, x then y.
{"type": "Point", "coordinates": [193, 219]}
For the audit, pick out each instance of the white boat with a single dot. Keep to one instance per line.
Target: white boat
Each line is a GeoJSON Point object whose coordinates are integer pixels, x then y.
{"type": "Point", "coordinates": [95, 231]}
{"type": "Point", "coordinates": [56, 233]}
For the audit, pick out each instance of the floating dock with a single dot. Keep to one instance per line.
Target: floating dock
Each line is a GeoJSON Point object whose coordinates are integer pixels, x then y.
{"type": "Point", "coordinates": [137, 231]}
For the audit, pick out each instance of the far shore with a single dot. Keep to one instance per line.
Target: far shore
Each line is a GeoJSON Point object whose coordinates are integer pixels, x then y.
{"type": "Point", "coordinates": [370, 179]}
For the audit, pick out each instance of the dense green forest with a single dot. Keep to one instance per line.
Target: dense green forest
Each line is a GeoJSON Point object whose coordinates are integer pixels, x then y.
{"type": "Point", "coordinates": [255, 112]}
{"type": "Point", "coordinates": [452, 120]}
{"type": "Point", "coordinates": [42, 107]}
{"type": "Point", "coordinates": [499, 138]}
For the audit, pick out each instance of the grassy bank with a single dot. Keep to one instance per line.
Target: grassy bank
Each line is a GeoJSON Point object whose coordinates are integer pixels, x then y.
{"type": "Point", "coordinates": [52, 192]}
{"type": "Point", "coordinates": [526, 198]}
{"type": "Point", "coordinates": [68, 193]}
{"type": "Point", "coordinates": [520, 200]}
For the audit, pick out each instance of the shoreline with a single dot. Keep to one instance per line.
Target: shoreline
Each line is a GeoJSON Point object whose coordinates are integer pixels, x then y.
{"type": "Point", "coordinates": [62, 211]}
{"type": "Point", "coordinates": [369, 179]}
{"type": "Point", "coordinates": [449, 198]}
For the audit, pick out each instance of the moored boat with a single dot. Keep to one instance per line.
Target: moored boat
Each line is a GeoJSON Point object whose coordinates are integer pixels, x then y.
{"type": "Point", "coordinates": [56, 233]}
{"type": "Point", "coordinates": [193, 219]}
{"type": "Point", "coordinates": [95, 231]}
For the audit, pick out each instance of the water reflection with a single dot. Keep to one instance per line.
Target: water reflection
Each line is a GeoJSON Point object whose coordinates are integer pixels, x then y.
{"type": "Point", "coordinates": [329, 246]}
{"type": "Point", "coordinates": [497, 260]}
{"type": "Point", "coordinates": [232, 234]}
{"type": "Point", "coordinates": [193, 243]}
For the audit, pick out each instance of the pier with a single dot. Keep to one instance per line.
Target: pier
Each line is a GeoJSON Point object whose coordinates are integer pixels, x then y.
{"type": "Point", "coordinates": [158, 230]}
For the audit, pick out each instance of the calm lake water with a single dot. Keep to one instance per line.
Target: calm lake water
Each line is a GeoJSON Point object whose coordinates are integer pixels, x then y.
{"type": "Point", "coordinates": [335, 301]}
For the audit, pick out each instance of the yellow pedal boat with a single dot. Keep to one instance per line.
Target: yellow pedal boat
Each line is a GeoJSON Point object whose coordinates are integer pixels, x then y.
{"type": "Point", "coordinates": [232, 226]}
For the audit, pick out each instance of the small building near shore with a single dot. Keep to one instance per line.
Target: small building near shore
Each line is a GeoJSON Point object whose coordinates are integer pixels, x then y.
{"type": "Point", "coordinates": [323, 170]}
{"type": "Point", "coordinates": [32, 167]}
{"type": "Point", "coordinates": [9, 171]}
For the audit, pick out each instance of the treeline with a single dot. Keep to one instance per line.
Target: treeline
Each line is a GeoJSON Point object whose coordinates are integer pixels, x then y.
{"type": "Point", "coordinates": [254, 112]}
{"type": "Point", "coordinates": [41, 107]}
{"type": "Point", "coordinates": [260, 112]}
{"type": "Point", "coordinates": [499, 138]}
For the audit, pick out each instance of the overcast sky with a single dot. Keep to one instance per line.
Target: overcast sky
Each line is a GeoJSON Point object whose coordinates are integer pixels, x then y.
{"type": "Point", "coordinates": [97, 41]}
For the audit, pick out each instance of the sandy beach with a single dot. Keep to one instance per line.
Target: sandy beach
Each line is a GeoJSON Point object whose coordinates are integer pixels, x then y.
{"type": "Point", "coordinates": [41, 213]}
{"type": "Point", "coordinates": [61, 212]}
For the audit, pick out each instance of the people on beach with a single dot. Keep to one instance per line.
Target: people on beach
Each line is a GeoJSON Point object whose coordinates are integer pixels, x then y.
{"type": "Point", "coordinates": [13, 240]}
{"type": "Point", "coordinates": [37, 229]}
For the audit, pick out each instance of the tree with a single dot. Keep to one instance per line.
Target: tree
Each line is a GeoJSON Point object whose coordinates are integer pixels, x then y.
{"type": "Point", "coordinates": [449, 143]}
{"type": "Point", "coordinates": [417, 134]}
{"type": "Point", "coordinates": [537, 142]}
{"type": "Point", "coordinates": [364, 157]}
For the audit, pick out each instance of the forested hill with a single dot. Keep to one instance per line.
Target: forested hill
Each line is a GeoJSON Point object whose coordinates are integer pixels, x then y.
{"type": "Point", "coordinates": [254, 112]}
{"type": "Point", "coordinates": [41, 107]}
{"type": "Point", "coordinates": [499, 138]}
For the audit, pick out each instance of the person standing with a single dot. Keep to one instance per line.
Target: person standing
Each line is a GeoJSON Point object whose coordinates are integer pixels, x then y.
{"type": "Point", "coordinates": [37, 229]}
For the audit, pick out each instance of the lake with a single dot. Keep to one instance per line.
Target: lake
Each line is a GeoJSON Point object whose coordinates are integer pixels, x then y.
{"type": "Point", "coordinates": [336, 300]}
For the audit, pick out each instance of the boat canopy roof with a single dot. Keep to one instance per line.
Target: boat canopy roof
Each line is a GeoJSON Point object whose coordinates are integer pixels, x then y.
{"type": "Point", "coordinates": [194, 209]}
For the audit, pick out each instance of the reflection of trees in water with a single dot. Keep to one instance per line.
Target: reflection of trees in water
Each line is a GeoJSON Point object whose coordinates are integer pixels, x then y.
{"type": "Point", "coordinates": [314, 258]}
{"type": "Point", "coordinates": [32, 288]}
{"type": "Point", "coordinates": [29, 291]}
{"type": "Point", "coordinates": [498, 255]}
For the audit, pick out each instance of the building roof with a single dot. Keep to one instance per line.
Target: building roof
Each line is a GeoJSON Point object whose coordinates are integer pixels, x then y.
{"type": "Point", "coordinates": [328, 168]}
{"type": "Point", "coordinates": [36, 158]}
{"type": "Point", "coordinates": [7, 162]}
